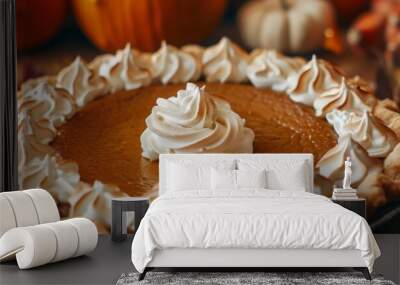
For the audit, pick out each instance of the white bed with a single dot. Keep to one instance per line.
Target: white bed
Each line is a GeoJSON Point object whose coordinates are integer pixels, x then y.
{"type": "Point", "coordinates": [249, 227]}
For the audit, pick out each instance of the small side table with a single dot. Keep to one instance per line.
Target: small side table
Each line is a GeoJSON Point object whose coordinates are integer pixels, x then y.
{"type": "Point", "coordinates": [357, 205]}
{"type": "Point", "coordinates": [120, 206]}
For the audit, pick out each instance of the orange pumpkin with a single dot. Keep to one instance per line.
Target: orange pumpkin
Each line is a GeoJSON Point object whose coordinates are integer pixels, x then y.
{"type": "Point", "coordinates": [38, 21]}
{"type": "Point", "coordinates": [110, 24]}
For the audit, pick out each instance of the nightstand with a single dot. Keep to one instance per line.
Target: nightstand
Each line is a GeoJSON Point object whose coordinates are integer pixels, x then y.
{"type": "Point", "coordinates": [356, 205]}
{"type": "Point", "coordinates": [120, 207]}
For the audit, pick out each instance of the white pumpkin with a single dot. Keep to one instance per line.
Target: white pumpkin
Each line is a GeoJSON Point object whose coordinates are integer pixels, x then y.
{"type": "Point", "coordinates": [286, 25]}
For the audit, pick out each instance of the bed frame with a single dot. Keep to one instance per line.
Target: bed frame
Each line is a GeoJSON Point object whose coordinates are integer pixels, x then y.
{"type": "Point", "coordinates": [255, 259]}
{"type": "Point", "coordinates": [246, 259]}
{"type": "Point", "coordinates": [250, 259]}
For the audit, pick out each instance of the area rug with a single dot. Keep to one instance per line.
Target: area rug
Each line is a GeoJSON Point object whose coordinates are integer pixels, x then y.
{"type": "Point", "coordinates": [243, 278]}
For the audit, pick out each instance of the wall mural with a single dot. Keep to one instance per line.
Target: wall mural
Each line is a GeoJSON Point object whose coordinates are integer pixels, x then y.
{"type": "Point", "coordinates": [93, 129]}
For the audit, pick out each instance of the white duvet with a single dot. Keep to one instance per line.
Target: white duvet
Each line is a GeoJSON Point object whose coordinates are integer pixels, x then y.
{"type": "Point", "coordinates": [250, 219]}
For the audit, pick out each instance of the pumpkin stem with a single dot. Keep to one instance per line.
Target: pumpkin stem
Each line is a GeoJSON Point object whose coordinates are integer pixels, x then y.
{"type": "Point", "coordinates": [284, 5]}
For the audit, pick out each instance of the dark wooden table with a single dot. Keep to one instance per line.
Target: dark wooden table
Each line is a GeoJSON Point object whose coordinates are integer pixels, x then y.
{"type": "Point", "coordinates": [358, 205]}
{"type": "Point", "coordinates": [120, 208]}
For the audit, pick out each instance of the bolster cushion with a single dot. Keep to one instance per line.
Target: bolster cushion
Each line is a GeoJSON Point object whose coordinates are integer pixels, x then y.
{"type": "Point", "coordinates": [40, 244]}
{"type": "Point", "coordinates": [26, 208]}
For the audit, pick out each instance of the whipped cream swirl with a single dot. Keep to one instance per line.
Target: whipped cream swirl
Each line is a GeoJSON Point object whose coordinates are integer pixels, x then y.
{"type": "Point", "coordinates": [225, 62]}
{"type": "Point", "coordinates": [270, 68]}
{"type": "Point", "coordinates": [37, 171]}
{"type": "Point", "coordinates": [312, 79]}
{"type": "Point", "coordinates": [362, 85]}
{"type": "Point", "coordinates": [364, 90]}
{"type": "Point", "coordinates": [331, 164]}
{"type": "Point", "coordinates": [126, 70]}
{"type": "Point", "coordinates": [64, 181]}
{"type": "Point", "coordinates": [343, 97]}
{"type": "Point", "coordinates": [81, 82]}
{"type": "Point", "coordinates": [362, 138]}
{"type": "Point", "coordinates": [366, 175]}
{"type": "Point", "coordinates": [41, 108]}
{"type": "Point", "coordinates": [194, 122]}
{"type": "Point", "coordinates": [196, 51]}
{"type": "Point", "coordinates": [44, 107]}
{"type": "Point", "coordinates": [388, 112]}
{"type": "Point", "coordinates": [376, 139]}
{"type": "Point", "coordinates": [171, 65]}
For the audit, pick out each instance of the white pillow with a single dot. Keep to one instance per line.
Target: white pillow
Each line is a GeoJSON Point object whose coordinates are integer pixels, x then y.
{"type": "Point", "coordinates": [251, 178]}
{"type": "Point", "coordinates": [236, 179]}
{"type": "Point", "coordinates": [293, 179]}
{"type": "Point", "coordinates": [181, 177]}
{"type": "Point", "coordinates": [223, 179]}
{"type": "Point", "coordinates": [281, 174]}
{"type": "Point", "coordinates": [185, 175]}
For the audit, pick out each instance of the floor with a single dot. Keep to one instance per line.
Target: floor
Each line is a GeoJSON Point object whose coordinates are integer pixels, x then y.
{"type": "Point", "coordinates": [102, 266]}
{"type": "Point", "coordinates": [110, 260]}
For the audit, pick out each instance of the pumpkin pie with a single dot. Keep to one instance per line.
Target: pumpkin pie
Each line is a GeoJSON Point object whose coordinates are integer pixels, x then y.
{"type": "Point", "coordinates": [95, 130]}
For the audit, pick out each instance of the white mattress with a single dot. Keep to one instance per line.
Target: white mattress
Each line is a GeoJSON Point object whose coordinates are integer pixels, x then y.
{"type": "Point", "coordinates": [253, 219]}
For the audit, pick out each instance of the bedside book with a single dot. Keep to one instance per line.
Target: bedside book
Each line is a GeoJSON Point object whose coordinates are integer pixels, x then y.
{"type": "Point", "coordinates": [344, 190]}
{"type": "Point", "coordinates": [344, 194]}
